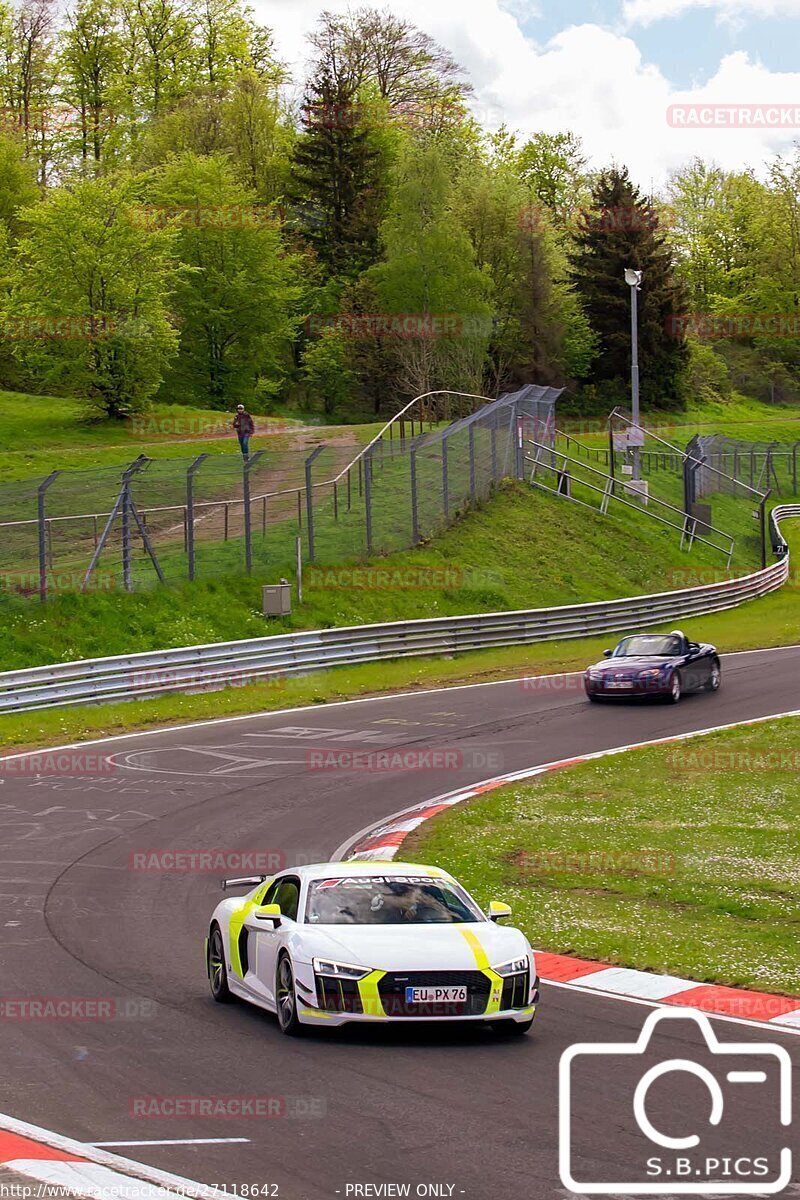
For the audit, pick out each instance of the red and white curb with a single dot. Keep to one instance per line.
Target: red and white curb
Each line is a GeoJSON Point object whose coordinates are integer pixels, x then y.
{"type": "Point", "coordinates": [383, 841]}
{"type": "Point", "coordinates": [85, 1170]}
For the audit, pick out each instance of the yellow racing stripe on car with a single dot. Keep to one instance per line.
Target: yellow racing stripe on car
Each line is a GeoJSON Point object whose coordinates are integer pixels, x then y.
{"type": "Point", "coordinates": [482, 963]}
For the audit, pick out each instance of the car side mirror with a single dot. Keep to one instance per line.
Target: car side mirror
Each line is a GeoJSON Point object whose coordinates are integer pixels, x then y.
{"type": "Point", "coordinates": [498, 909]}
{"type": "Point", "coordinates": [607, 653]}
{"type": "Point", "coordinates": [694, 647]}
{"type": "Point", "coordinates": [267, 914]}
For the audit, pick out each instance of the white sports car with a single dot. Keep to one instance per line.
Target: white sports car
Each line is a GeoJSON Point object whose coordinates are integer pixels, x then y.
{"type": "Point", "coordinates": [357, 941]}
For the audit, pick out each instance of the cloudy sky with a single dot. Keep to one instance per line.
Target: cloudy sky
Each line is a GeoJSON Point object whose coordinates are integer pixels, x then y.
{"type": "Point", "coordinates": [608, 69]}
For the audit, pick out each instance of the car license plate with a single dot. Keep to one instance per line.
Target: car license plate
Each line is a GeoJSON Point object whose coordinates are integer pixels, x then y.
{"type": "Point", "coordinates": [436, 995]}
{"type": "Point", "coordinates": [616, 683]}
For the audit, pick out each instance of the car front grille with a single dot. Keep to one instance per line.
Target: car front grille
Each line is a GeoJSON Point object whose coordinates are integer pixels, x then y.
{"type": "Point", "coordinates": [515, 991]}
{"type": "Point", "coordinates": [338, 995]}
{"type": "Point", "coordinates": [392, 991]}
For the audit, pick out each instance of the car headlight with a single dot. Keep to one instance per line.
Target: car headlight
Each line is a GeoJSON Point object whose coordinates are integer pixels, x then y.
{"type": "Point", "coordinates": [337, 970]}
{"type": "Point", "coordinates": [595, 674]}
{"type": "Point", "coordinates": [515, 967]}
{"type": "Point", "coordinates": [650, 674]}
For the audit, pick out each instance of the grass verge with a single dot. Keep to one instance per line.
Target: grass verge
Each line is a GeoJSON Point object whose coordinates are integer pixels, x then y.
{"type": "Point", "coordinates": [682, 859]}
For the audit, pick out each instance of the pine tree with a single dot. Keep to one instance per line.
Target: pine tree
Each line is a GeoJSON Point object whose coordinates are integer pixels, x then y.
{"type": "Point", "coordinates": [338, 179]}
{"type": "Point", "coordinates": [621, 230]}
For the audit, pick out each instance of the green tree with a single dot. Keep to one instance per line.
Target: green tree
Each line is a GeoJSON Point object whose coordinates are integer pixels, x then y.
{"type": "Point", "coordinates": [17, 182]}
{"type": "Point", "coordinates": [620, 230]}
{"type": "Point", "coordinates": [90, 63]}
{"type": "Point", "coordinates": [338, 181]}
{"type": "Point", "coordinates": [430, 276]}
{"type": "Point", "coordinates": [327, 371]}
{"type": "Point", "coordinates": [235, 303]}
{"type": "Point", "coordinates": [552, 167]}
{"type": "Point", "coordinates": [88, 296]}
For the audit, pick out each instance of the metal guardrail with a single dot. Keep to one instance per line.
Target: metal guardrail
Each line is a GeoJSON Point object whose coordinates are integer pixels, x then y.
{"type": "Point", "coordinates": [200, 668]}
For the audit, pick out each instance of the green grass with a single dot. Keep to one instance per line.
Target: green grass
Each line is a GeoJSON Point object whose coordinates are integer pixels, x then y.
{"type": "Point", "coordinates": [740, 417]}
{"type": "Point", "coordinates": [521, 549]}
{"type": "Point", "coordinates": [683, 859]}
{"type": "Point", "coordinates": [772, 621]}
{"type": "Point", "coordinates": [39, 434]}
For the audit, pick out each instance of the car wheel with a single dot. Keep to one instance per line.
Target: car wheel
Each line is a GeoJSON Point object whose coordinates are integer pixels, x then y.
{"type": "Point", "coordinates": [675, 688]}
{"type": "Point", "coordinates": [286, 998]}
{"type": "Point", "coordinates": [215, 965]}
{"type": "Point", "coordinates": [509, 1028]}
{"type": "Point", "coordinates": [715, 678]}
{"type": "Point", "coordinates": [593, 698]}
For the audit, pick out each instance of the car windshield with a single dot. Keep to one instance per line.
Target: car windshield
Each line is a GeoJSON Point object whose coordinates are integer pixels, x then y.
{"type": "Point", "coordinates": [389, 900]}
{"type": "Point", "coordinates": [648, 645]}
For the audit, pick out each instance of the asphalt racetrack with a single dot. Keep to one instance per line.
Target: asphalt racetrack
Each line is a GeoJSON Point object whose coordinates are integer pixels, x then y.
{"type": "Point", "coordinates": [464, 1111]}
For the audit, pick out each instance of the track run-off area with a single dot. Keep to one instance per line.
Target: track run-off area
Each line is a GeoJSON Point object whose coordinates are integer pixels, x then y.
{"type": "Point", "coordinates": [95, 909]}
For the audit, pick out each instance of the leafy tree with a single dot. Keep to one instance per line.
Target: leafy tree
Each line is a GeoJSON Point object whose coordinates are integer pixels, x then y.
{"type": "Point", "coordinates": [620, 231]}
{"type": "Point", "coordinates": [422, 82]}
{"type": "Point", "coordinates": [17, 182]}
{"type": "Point", "coordinates": [430, 276]}
{"type": "Point", "coordinates": [327, 370]}
{"type": "Point", "coordinates": [234, 304]}
{"type": "Point", "coordinates": [552, 167]}
{"type": "Point", "coordinates": [90, 63]}
{"type": "Point", "coordinates": [87, 303]}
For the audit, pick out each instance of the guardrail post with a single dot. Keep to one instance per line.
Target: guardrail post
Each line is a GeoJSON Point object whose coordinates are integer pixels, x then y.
{"type": "Point", "coordinates": [445, 481]}
{"type": "Point", "coordinates": [43, 531]}
{"type": "Point", "coordinates": [412, 458]}
{"type": "Point", "coordinates": [367, 460]}
{"type": "Point", "coordinates": [310, 501]}
{"type": "Point", "coordinates": [762, 510]}
{"type": "Point", "coordinates": [247, 465]}
{"type": "Point", "coordinates": [190, 474]}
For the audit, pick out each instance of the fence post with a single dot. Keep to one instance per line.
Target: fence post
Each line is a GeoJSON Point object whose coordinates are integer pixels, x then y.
{"type": "Point", "coordinates": [43, 528]}
{"type": "Point", "coordinates": [247, 464]}
{"type": "Point", "coordinates": [473, 492]}
{"type": "Point", "coordinates": [310, 501]}
{"type": "Point", "coordinates": [493, 436]}
{"type": "Point", "coordinates": [368, 498]}
{"type": "Point", "coordinates": [794, 469]}
{"type": "Point", "coordinates": [519, 449]}
{"type": "Point", "coordinates": [127, 476]}
{"type": "Point", "coordinates": [445, 481]}
{"type": "Point", "coordinates": [190, 473]}
{"type": "Point", "coordinates": [412, 458]}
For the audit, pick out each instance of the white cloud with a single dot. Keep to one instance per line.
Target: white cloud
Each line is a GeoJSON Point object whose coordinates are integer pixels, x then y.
{"type": "Point", "coordinates": [588, 79]}
{"type": "Point", "coordinates": [645, 12]}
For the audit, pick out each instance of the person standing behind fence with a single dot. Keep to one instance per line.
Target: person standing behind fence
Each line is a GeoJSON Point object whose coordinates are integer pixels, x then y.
{"type": "Point", "coordinates": [245, 428]}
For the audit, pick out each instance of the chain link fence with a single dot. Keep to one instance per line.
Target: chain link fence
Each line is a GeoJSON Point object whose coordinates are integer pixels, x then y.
{"type": "Point", "coordinates": [126, 528]}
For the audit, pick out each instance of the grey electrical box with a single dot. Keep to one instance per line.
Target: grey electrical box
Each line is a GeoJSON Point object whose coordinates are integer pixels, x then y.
{"type": "Point", "coordinates": [277, 599]}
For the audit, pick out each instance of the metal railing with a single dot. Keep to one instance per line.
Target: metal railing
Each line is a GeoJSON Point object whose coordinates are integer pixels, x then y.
{"type": "Point", "coordinates": [607, 488]}
{"type": "Point", "coordinates": [200, 668]}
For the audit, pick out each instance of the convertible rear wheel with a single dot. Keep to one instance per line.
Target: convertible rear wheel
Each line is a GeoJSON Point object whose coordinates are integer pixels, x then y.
{"type": "Point", "coordinates": [286, 998]}
{"type": "Point", "coordinates": [215, 964]}
{"type": "Point", "coordinates": [675, 688]}
{"type": "Point", "coordinates": [715, 678]}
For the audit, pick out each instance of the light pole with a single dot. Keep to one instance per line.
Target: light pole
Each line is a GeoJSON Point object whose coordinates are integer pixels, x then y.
{"type": "Point", "coordinates": [634, 282]}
